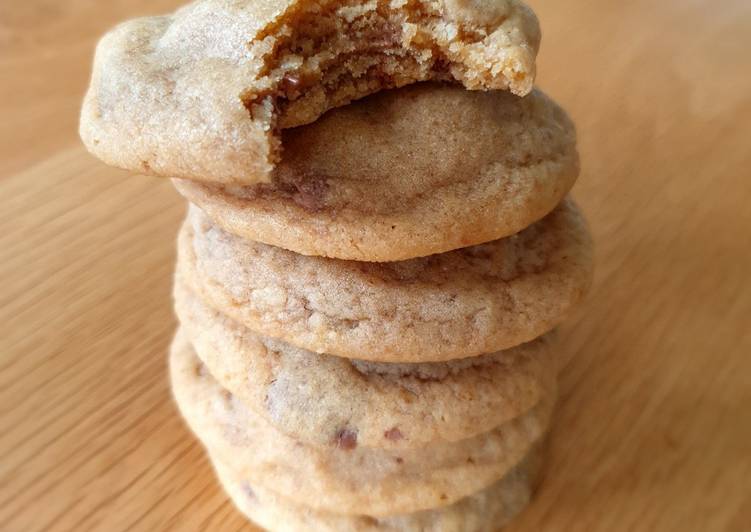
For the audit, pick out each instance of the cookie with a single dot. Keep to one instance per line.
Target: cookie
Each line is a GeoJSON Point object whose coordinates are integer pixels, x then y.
{"type": "Point", "coordinates": [203, 93]}
{"type": "Point", "coordinates": [314, 397]}
{"type": "Point", "coordinates": [354, 479]}
{"type": "Point", "coordinates": [406, 173]}
{"type": "Point", "coordinates": [458, 304]}
{"type": "Point", "coordinates": [484, 511]}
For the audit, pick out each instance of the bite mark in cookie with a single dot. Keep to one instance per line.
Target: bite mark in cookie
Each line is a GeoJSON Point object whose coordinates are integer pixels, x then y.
{"type": "Point", "coordinates": [204, 93]}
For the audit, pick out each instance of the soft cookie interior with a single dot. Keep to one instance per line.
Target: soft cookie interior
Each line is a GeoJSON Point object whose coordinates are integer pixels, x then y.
{"type": "Point", "coordinates": [324, 54]}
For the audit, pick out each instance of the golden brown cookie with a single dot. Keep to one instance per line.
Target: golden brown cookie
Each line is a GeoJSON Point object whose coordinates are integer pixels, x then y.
{"type": "Point", "coordinates": [406, 173]}
{"type": "Point", "coordinates": [484, 511]}
{"type": "Point", "coordinates": [314, 397]}
{"type": "Point", "coordinates": [354, 479]}
{"type": "Point", "coordinates": [203, 93]}
{"type": "Point", "coordinates": [458, 304]}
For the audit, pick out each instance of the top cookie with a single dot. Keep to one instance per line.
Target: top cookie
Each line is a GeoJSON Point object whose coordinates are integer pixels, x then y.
{"type": "Point", "coordinates": [203, 93]}
{"type": "Point", "coordinates": [406, 173]}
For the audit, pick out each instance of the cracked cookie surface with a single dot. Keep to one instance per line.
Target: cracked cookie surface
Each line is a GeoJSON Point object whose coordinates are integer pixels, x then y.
{"type": "Point", "coordinates": [355, 479]}
{"type": "Point", "coordinates": [458, 304]}
{"type": "Point", "coordinates": [203, 93]}
{"type": "Point", "coordinates": [484, 511]}
{"type": "Point", "coordinates": [314, 397]}
{"type": "Point", "coordinates": [406, 173]}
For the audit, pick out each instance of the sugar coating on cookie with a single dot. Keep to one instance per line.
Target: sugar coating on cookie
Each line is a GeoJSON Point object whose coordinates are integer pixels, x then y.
{"type": "Point", "coordinates": [355, 479]}
{"type": "Point", "coordinates": [484, 511]}
{"type": "Point", "coordinates": [463, 303]}
{"type": "Point", "coordinates": [314, 397]}
{"type": "Point", "coordinates": [406, 173]}
{"type": "Point", "coordinates": [203, 93]}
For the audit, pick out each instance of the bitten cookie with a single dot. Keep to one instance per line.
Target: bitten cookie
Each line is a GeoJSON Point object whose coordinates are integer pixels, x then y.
{"type": "Point", "coordinates": [354, 479]}
{"type": "Point", "coordinates": [314, 397]}
{"type": "Point", "coordinates": [484, 511]}
{"type": "Point", "coordinates": [406, 173]}
{"type": "Point", "coordinates": [458, 304]}
{"type": "Point", "coordinates": [203, 93]}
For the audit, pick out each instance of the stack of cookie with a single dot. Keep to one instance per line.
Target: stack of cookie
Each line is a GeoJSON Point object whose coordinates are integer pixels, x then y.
{"type": "Point", "coordinates": [367, 279]}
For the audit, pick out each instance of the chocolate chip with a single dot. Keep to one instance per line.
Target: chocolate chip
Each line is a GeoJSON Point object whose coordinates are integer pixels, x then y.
{"type": "Point", "coordinates": [248, 490]}
{"type": "Point", "coordinates": [227, 396]}
{"type": "Point", "coordinates": [399, 460]}
{"type": "Point", "coordinates": [290, 81]}
{"type": "Point", "coordinates": [393, 434]}
{"type": "Point", "coordinates": [200, 369]}
{"type": "Point", "coordinates": [346, 439]}
{"type": "Point", "coordinates": [310, 193]}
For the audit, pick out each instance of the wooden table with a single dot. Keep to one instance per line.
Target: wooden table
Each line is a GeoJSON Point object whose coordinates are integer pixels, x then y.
{"type": "Point", "coordinates": [654, 431]}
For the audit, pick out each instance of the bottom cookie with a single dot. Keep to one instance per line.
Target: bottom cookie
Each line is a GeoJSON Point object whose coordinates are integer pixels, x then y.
{"type": "Point", "coordinates": [485, 511]}
{"type": "Point", "coordinates": [354, 479]}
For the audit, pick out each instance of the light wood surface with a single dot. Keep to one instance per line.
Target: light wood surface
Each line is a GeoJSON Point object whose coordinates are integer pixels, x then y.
{"type": "Point", "coordinates": [654, 430]}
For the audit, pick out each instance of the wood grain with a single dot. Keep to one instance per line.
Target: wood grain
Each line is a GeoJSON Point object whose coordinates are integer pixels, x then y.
{"type": "Point", "coordinates": [653, 432]}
